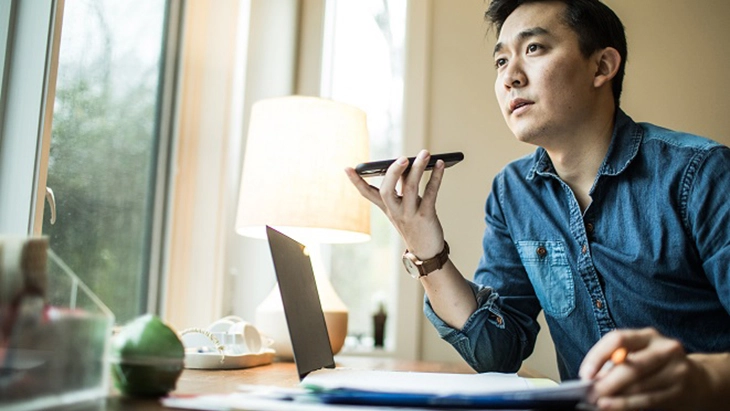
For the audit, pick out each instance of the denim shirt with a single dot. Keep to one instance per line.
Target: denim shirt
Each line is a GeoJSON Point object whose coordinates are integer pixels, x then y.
{"type": "Point", "coordinates": [652, 249]}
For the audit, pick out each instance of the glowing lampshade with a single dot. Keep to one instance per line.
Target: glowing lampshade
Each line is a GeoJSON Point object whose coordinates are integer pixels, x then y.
{"type": "Point", "coordinates": [293, 179]}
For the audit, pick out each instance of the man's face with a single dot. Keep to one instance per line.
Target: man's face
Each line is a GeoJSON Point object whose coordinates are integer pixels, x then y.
{"type": "Point", "coordinates": [544, 83]}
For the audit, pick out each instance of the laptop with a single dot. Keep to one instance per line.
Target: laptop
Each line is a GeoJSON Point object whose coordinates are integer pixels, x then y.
{"type": "Point", "coordinates": [302, 308]}
{"type": "Point", "coordinates": [316, 365]}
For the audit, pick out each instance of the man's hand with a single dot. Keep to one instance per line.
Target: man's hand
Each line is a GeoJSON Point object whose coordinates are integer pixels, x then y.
{"type": "Point", "coordinates": [415, 219]}
{"type": "Point", "coordinates": [412, 215]}
{"type": "Point", "coordinates": [656, 374]}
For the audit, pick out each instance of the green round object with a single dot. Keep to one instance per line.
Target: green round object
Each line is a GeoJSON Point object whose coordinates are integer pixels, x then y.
{"type": "Point", "coordinates": [147, 358]}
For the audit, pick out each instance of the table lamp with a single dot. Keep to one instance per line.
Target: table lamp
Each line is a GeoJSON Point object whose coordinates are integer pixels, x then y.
{"type": "Point", "coordinates": [293, 179]}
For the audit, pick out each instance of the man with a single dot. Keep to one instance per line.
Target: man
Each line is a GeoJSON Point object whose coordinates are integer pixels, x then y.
{"type": "Point", "coordinates": [618, 231]}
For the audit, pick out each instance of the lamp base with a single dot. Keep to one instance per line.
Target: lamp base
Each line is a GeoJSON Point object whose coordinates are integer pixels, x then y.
{"type": "Point", "coordinates": [271, 321]}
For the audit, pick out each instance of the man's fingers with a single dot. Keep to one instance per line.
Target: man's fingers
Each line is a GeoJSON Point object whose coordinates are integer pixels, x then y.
{"type": "Point", "coordinates": [434, 184]}
{"type": "Point", "coordinates": [656, 399]}
{"type": "Point", "coordinates": [409, 201]}
{"type": "Point", "coordinates": [631, 340]}
{"type": "Point", "coordinates": [411, 182]}
{"type": "Point", "coordinates": [661, 380]}
{"type": "Point", "coordinates": [631, 378]}
{"type": "Point", "coordinates": [655, 369]}
{"type": "Point", "coordinates": [388, 191]}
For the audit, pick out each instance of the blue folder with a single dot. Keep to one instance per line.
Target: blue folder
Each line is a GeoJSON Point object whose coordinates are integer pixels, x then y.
{"type": "Point", "coordinates": [564, 397]}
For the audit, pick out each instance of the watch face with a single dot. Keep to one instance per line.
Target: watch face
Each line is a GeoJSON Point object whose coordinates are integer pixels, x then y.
{"type": "Point", "coordinates": [411, 267]}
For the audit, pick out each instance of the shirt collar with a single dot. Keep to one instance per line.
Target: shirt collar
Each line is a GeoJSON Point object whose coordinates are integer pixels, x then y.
{"type": "Point", "coordinates": [625, 142]}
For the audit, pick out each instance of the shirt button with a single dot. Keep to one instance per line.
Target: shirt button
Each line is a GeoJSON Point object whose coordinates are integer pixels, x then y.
{"type": "Point", "coordinates": [589, 228]}
{"type": "Point", "coordinates": [599, 304]}
{"type": "Point", "coordinates": [584, 249]}
{"type": "Point", "coordinates": [541, 251]}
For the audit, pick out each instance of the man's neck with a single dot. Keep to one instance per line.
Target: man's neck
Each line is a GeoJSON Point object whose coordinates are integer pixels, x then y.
{"type": "Point", "coordinates": [578, 157]}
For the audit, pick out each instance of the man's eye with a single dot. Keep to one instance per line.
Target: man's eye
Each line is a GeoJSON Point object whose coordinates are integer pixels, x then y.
{"type": "Point", "coordinates": [533, 48]}
{"type": "Point", "coordinates": [500, 62]}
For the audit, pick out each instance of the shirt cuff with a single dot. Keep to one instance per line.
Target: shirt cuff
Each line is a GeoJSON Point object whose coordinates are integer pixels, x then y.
{"type": "Point", "coordinates": [485, 297]}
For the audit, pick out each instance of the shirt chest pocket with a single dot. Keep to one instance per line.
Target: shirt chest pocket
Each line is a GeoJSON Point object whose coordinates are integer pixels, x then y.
{"type": "Point", "coordinates": [550, 274]}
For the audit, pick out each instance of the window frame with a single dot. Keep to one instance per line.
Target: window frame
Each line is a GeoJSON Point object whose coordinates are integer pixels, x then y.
{"type": "Point", "coordinates": [166, 128]}
{"type": "Point", "coordinates": [26, 111]}
{"type": "Point", "coordinates": [6, 8]}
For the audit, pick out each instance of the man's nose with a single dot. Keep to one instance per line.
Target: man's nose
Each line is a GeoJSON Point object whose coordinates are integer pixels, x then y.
{"type": "Point", "coordinates": [514, 75]}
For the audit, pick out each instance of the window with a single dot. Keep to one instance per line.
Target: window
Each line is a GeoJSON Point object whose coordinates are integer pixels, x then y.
{"type": "Point", "coordinates": [106, 141]}
{"type": "Point", "coordinates": [363, 66]}
{"type": "Point", "coordinates": [4, 32]}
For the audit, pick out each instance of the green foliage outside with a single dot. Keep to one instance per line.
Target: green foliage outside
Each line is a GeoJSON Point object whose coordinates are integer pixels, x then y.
{"type": "Point", "coordinates": [102, 165]}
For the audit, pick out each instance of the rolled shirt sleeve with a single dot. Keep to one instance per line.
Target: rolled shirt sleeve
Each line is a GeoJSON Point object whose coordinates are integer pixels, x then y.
{"type": "Point", "coordinates": [501, 333]}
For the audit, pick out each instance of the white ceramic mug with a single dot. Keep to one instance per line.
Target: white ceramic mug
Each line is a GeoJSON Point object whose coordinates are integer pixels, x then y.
{"type": "Point", "coordinates": [238, 336]}
{"type": "Point", "coordinates": [246, 335]}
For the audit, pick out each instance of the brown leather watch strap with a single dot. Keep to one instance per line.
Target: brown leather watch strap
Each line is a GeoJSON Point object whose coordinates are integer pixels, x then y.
{"type": "Point", "coordinates": [425, 267]}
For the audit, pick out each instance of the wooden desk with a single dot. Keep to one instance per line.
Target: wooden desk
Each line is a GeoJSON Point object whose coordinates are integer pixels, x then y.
{"type": "Point", "coordinates": [281, 374]}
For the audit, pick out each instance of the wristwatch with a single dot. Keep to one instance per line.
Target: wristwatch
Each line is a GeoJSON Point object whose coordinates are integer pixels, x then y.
{"type": "Point", "coordinates": [420, 268]}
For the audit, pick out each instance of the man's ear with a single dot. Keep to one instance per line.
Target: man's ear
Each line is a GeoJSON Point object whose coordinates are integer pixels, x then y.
{"type": "Point", "coordinates": [608, 61]}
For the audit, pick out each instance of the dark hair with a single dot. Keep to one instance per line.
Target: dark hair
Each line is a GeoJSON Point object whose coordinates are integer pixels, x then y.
{"type": "Point", "coordinates": [596, 25]}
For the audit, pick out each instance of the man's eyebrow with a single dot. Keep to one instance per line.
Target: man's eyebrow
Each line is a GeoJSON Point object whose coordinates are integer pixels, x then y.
{"type": "Point", "coordinates": [531, 32]}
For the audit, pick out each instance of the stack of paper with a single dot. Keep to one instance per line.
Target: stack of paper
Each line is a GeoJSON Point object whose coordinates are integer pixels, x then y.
{"type": "Point", "coordinates": [335, 389]}
{"type": "Point", "coordinates": [414, 389]}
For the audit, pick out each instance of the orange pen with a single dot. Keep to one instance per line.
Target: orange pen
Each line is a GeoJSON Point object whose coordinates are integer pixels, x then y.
{"type": "Point", "coordinates": [619, 356]}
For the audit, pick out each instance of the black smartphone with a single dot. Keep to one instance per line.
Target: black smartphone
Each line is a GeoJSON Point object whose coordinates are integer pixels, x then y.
{"type": "Point", "coordinates": [378, 168]}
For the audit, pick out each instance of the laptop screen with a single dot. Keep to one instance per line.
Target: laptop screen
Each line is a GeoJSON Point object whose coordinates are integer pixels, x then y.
{"type": "Point", "coordinates": [304, 317]}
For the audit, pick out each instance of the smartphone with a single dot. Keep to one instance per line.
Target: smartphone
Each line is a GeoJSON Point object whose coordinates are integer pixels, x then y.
{"type": "Point", "coordinates": [378, 168]}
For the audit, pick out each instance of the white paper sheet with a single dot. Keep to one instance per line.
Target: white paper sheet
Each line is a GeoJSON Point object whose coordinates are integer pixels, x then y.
{"type": "Point", "coordinates": [420, 382]}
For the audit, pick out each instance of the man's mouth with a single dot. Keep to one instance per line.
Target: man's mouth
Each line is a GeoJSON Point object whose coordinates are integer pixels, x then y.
{"type": "Point", "coordinates": [518, 103]}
